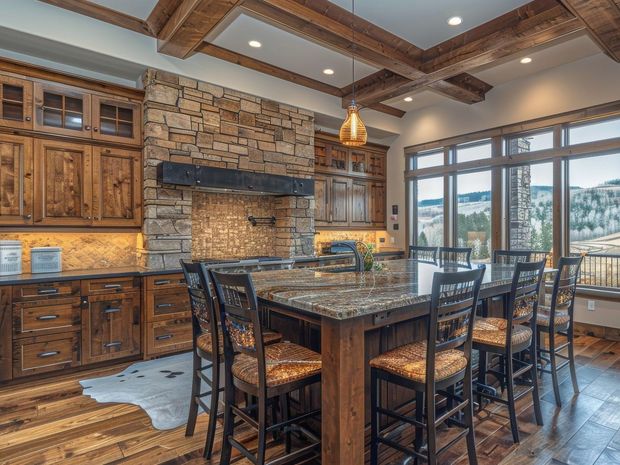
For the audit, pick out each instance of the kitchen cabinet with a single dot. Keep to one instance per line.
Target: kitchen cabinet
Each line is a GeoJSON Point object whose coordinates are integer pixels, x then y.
{"type": "Point", "coordinates": [321, 199]}
{"type": "Point", "coordinates": [15, 102]}
{"type": "Point", "coordinates": [16, 180]}
{"type": "Point", "coordinates": [360, 200]}
{"type": "Point", "coordinates": [377, 204]}
{"type": "Point", "coordinates": [62, 110]}
{"type": "Point", "coordinates": [116, 120]}
{"type": "Point", "coordinates": [117, 187]}
{"type": "Point", "coordinates": [62, 183]}
{"type": "Point", "coordinates": [110, 326]}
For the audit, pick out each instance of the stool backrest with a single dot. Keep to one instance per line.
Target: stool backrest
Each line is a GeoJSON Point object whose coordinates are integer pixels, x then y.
{"type": "Point", "coordinates": [524, 294]}
{"type": "Point", "coordinates": [457, 256]}
{"type": "Point", "coordinates": [201, 301]}
{"type": "Point", "coordinates": [510, 257]}
{"type": "Point", "coordinates": [564, 287]}
{"type": "Point", "coordinates": [423, 254]}
{"type": "Point", "coordinates": [454, 300]}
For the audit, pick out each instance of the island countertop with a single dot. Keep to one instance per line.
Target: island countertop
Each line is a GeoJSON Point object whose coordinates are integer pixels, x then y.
{"type": "Point", "coordinates": [340, 296]}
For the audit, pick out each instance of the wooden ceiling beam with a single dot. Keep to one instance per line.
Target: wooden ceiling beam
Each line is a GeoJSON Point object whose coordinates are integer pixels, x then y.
{"type": "Point", "coordinates": [330, 25]}
{"type": "Point", "coordinates": [96, 11]}
{"type": "Point", "coordinates": [537, 23]}
{"type": "Point", "coordinates": [191, 21]}
{"type": "Point", "coordinates": [602, 20]}
{"type": "Point", "coordinates": [261, 66]}
{"type": "Point", "coordinates": [161, 14]}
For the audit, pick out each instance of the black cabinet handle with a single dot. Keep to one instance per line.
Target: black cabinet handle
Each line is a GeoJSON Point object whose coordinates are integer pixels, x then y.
{"type": "Point", "coordinates": [164, 305]}
{"type": "Point", "coordinates": [42, 291]}
{"type": "Point", "coordinates": [112, 286]}
{"type": "Point", "coordinates": [47, 317]}
{"type": "Point", "coordinates": [48, 354]}
{"type": "Point", "coordinates": [161, 282]}
{"type": "Point", "coordinates": [113, 344]}
{"type": "Point", "coordinates": [112, 310]}
{"type": "Point", "coordinates": [163, 337]}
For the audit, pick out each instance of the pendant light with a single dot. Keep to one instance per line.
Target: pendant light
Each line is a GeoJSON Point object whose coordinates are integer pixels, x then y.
{"type": "Point", "coordinates": [353, 130]}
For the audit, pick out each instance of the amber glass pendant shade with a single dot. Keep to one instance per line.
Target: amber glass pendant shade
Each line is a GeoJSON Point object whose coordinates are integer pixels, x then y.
{"type": "Point", "coordinates": [353, 130]}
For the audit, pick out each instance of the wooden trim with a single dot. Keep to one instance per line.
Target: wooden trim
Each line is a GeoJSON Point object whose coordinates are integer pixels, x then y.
{"type": "Point", "coordinates": [333, 138]}
{"type": "Point", "coordinates": [21, 69]}
{"type": "Point", "coordinates": [160, 14]}
{"type": "Point", "coordinates": [6, 334]}
{"type": "Point", "coordinates": [498, 212]}
{"type": "Point", "coordinates": [584, 114]}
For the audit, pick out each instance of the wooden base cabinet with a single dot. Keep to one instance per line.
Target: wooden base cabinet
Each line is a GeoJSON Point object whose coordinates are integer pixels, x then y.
{"type": "Point", "coordinates": [40, 354]}
{"type": "Point", "coordinates": [110, 326]}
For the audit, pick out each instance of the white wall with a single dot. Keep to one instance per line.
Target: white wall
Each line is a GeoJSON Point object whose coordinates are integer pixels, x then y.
{"type": "Point", "coordinates": [590, 81]}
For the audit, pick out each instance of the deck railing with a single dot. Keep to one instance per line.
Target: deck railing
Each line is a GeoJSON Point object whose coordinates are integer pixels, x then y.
{"type": "Point", "coordinates": [600, 270]}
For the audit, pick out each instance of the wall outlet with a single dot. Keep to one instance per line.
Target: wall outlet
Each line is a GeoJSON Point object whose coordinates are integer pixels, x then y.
{"type": "Point", "coordinates": [382, 240]}
{"type": "Point", "coordinates": [591, 305]}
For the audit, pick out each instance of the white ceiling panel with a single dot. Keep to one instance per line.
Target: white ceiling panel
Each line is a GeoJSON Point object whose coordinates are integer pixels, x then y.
{"type": "Point", "coordinates": [288, 51]}
{"type": "Point", "coordinates": [424, 22]}
{"type": "Point", "coordinates": [137, 8]}
{"type": "Point", "coordinates": [420, 99]}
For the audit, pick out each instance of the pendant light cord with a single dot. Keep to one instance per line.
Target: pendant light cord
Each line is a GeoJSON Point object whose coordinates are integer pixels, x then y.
{"type": "Point", "coordinates": [353, 48]}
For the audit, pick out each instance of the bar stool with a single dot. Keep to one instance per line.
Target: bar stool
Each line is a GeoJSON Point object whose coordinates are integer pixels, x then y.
{"type": "Point", "coordinates": [509, 336]}
{"type": "Point", "coordinates": [423, 254]}
{"type": "Point", "coordinates": [433, 367]}
{"type": "Point", "coordinates": [459, 256]}
{"type": "Point", "coordinates": [267, 373]}
{"type": "Point", "coordinates": [207, 347]}
{"type": "Point", "coordinates": [557, 318]}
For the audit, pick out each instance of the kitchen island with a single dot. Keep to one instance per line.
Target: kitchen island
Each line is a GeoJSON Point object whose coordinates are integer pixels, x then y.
{"type": "Point", "coordinates": [349, 307]}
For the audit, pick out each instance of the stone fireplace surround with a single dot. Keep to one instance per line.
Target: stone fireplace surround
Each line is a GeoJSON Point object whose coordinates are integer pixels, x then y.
{"type": "Point", "coordinates": [190, 121]}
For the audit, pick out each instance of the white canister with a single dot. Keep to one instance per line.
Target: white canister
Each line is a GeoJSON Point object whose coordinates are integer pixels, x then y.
{"type": "Point", "coordinates": [10, 257]}
{"type": "Point", "coordinates": [46, 259]}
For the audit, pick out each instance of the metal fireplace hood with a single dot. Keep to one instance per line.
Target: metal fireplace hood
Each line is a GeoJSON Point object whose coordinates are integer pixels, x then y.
{"type": "Point", "coordinates": [224, 180]}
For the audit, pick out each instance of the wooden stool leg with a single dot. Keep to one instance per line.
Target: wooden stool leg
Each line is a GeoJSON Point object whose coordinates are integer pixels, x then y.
{"type": "Point", "coordinates": [374, 417]}
{"type": "Point", "coordinates": [215, 395]}
{"type": "Point", "coordinates": [482, 374]}
{"type": "Point", "coordinates": [419, 431]}
{"type": "Point", "coordinates": [554, 370]}
{"type": "Point", "coordinates": [571, 358]}
{"type": "Point", "coordinates": [431, 431]}
{"type": "Point", "coordinates": [229, 422]}
{"type": "Point", "coordinates": [262, 429]}
{"type": "Point", "coordinates": [534, 376]}
{"type": "Point", "coordinates": [512, 408]}
{"type": "Point", "coordinates": [286, 412]}
{"type": "Point", "coordinates": [469, 417]}
{"type": "Point", "coordinates": [193, 405]}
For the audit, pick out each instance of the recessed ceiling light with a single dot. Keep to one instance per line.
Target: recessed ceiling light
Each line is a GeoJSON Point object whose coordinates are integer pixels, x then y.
{"type": "Point", "coordinates": [526, 60]}
{"type": "Point", "coordinates": [328, 71]}
{"type": "Point", "coordinates": [255, 44]}
{"type": "Point", "coordinates": [455, 20]}
{"type": "Point", "coordinates": [408, 99]}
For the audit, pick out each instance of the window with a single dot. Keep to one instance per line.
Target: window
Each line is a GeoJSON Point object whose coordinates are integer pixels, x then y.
{"type": "Point", "coordinates": [430, 212]}
{"type": "Point", "coordinates": [429, 159]}
{"type": "Point", "coordinates": [473, 151]}
{"type": "Point", "coordinates": [531, 207]}
{"type": "Point", "coordinates": [524, 143]}
{"type": "Point", "coordinates": [473, 223]}
{"type": "Point", "coordinates": [594, 131]}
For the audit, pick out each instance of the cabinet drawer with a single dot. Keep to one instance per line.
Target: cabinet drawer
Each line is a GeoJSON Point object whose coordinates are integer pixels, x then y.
{"type": "Point", "coordinates": [46, 290]}
{"type": "Point", "coordinates": [110, 285]}
{"type": "Point", "coordinates": [165, 281]}
{"type": "Point", "coordinates": [46, 316]}
{"type": "Point", "coordinates": [168, 336]}
{"type": "Point", "coordinates": [45, 353]}
{"type": "Point", "coordinates": [163, 304]}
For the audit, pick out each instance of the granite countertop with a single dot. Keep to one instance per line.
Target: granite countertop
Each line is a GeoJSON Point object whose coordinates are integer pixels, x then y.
{"type": "Point", "coordinates": [401, 283]}
{"type": "Point", "coordinates": [30, 278]}
{"type": "Point", "coordinates": [310, 258]}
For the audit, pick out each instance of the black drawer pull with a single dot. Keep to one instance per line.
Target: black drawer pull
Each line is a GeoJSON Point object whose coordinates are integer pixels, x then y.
{"type": "Point", "coordinates": [164, 305]}
{"type": "Point", "coordinates": [112, 286]}
{"type": "Point", "coordinates": [43, 291]}
{"type": "Point", "coordinates": [48, 354]}
{"type": "Point", "coordinates": [161, 282]}
{"type": "Point", "coordinates": [47, 317]}
{"type": "Point", "coordinates": [164, 336]}
{"type": "Point", "coordinates": [112, 344]}
{"type": "Point", "coordinates": [112, 310]}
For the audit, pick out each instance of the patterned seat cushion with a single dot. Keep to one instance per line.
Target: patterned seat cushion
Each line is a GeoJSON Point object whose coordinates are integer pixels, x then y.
{"type": "Point", "coordinates": [544, 316]}
{"type": "Point", "coordinates": [492, 331]}
{"type": "Point", "coordinates": [204, 340]}
{"type": "Point", "coordinates": [285, 362]}
{"type": "Point", "coordinates": [409, 361]}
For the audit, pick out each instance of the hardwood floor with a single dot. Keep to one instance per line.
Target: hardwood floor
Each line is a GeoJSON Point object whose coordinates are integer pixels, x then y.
{"type": "Point", "coordinates": [51, 422]}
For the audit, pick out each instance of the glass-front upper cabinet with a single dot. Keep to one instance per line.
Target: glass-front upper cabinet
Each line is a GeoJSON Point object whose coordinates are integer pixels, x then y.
{"type": "Point", "coordinates": [62, 110]}
{"type": "Point", "coordinates": [116, 120]}
{"type": "Point", "coordinates": [15, 102]}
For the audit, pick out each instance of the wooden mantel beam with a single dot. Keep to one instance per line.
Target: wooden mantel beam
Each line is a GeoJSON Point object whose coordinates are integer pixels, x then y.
{"type": "Point", "coordinates": [191, 21]}
{"type": "Point", "coordinates": [537, 23]}
{"type": "Point", "coordinates": [602, 19]}
{"type": "Point", "coordinates": [331, 26]}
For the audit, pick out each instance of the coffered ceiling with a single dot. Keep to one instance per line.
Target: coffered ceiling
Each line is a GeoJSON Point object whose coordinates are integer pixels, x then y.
{"type": "Point", "coordinates": [404, 48]}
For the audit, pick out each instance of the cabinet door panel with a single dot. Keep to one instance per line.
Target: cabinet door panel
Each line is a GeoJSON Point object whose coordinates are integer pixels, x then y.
{"type": "Point", "coordinates": [360, 199]}
{"type": "Point", "coordinates": [117, 192]}
{"type": "Point", "coordinates": [63, 184]}
{"type": "Point", "coordinates": [340, 201]}
{"type": "Point", "coordinates": [111, 327]}
{"type": "Point", "coordinates": [6, 335]}
{"type": "Point", "coordinates": [378, 204]}
{"type": "Point", "coordinates": [321, 199]}
{"type": "Point", "coordinates": [116, 120]}
{"type": "Point", "coordinates": [62, 110]}
{"type": "Point", "coordinates": [15, 180]}
{"type": "Point", "coordinates": [41, 354]}
{"type": "Point", "coordinates": [15, 102]}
